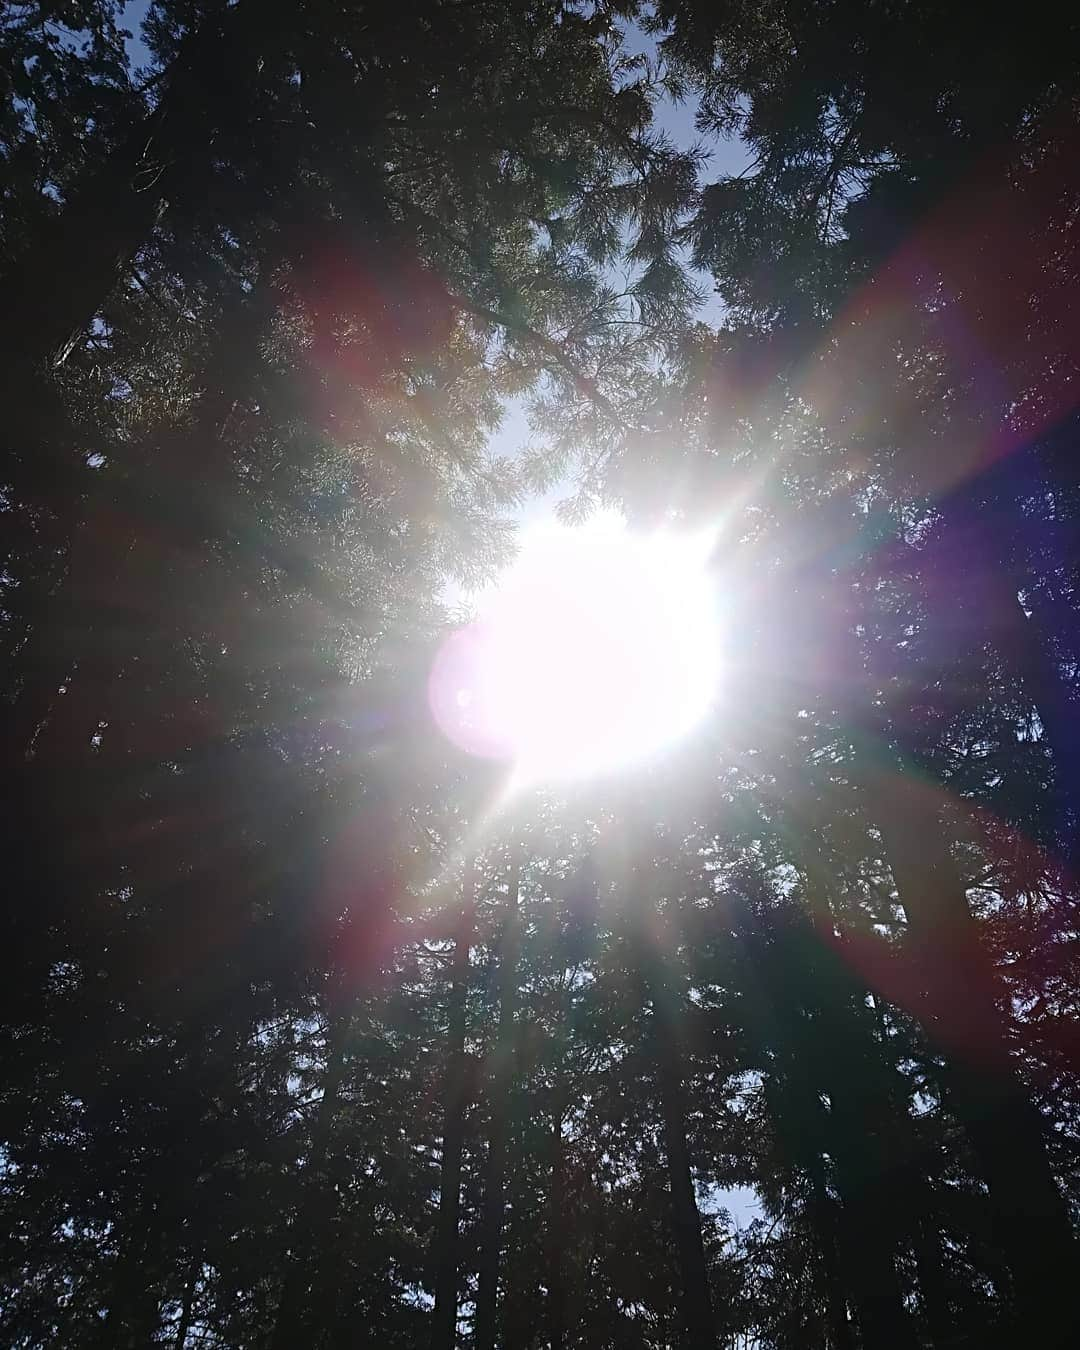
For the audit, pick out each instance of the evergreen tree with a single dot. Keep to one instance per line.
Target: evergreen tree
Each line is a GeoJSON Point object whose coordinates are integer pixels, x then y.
{"type": "Point", "coordinates": [311, 1039]}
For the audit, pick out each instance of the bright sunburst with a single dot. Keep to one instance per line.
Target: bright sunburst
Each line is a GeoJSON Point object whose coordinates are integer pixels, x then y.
{"type": "Point", "coordinates": [597, 647]}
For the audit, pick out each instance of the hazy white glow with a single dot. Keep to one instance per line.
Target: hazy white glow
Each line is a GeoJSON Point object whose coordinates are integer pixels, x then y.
{"type": "Point", "coordinates": [597, 647]}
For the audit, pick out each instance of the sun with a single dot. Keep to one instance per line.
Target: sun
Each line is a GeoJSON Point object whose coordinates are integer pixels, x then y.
{"type": "Point", "coordinates": [596, 648]}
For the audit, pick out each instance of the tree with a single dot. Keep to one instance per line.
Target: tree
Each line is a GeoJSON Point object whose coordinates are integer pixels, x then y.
{"type": "Point", "coordinates": [456, 1092]}
{"type": "Point", "coordinates": [297, 1049]}
{"type": "Point", "coordinates": [263, 453]}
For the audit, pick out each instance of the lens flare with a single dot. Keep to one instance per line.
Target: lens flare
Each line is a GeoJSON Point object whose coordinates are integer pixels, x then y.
{"type": "Point", "coordinates": [598, 647]}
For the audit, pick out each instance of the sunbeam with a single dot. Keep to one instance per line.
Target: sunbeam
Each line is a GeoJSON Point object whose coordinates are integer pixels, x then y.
{"type": "Point", "coordinates": [597, 648]}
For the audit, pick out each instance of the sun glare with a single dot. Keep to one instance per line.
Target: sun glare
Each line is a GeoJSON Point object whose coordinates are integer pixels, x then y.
{"type": "Point", "coordinates": [596, 648]}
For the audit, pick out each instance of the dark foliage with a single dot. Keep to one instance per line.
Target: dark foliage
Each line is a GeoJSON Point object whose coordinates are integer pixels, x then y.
{"type": "Point", "coordinates": [304, 1044]}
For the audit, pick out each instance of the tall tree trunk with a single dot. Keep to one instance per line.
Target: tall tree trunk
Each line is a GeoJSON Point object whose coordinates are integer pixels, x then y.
{"type": "Point", "coordinates": [187, 1308]}
{"type": "Point", "coordinates": [132, 1316]}
{"type": "Point", "coordinates": [985, 515]}
{"type": "Point", "coordinates": [558, 1219]}
{"type": "Point", "coordinates": [860, 1124]}
{"type": "Point", "coordinates": [129, 522]}
{"type": "Point", "coordinates": [826, 1223]}
{"type": "Point", "coordinates": [456, 1095]}
{"type": "Point", "coordinates": [916, 1200]}
{"type": "Point", "coordinates": [1026, 644]}
{"type": "Point", "coordinates": [59, 284]}
{"type": "Point", "coordinates": [855, 1233]}
{"type": "Point", "coordinates": [933, 1285]}
{"type": "Point", "coordinates": [290, 1329]}
{"type": "Point", "coordinates": [501, 1082]}
{"type": "Point", "coordinates": [55, 288]}
{"type": "Point", "coordinates": [864, 1183]}
{"type": "Point", "coordinates": [69, 667]}
{"type": "Point", "coordinates": [556, 1275]}
{"type": "Point", "coordinates": [960, 1010]}
{"type": "Point", "coordinates": [697, 1311]}
{"type": "Point", "coordinates": [948, 983]}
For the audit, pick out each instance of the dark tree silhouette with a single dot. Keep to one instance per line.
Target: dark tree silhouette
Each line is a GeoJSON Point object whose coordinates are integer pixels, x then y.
{"type": "Point", "coordinates": [768, 1041]}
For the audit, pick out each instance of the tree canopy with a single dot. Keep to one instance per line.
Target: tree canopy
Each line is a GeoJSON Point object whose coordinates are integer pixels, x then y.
{"type": "Point", "coordinates": [319, 1031]}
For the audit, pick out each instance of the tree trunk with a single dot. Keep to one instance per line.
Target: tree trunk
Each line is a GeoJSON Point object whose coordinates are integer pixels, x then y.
{"type": "Point", "coordinates": [933, 1287]}
{"type": "Point", "coordinates": [698, 1319]}
{"type": "Point", "coordinates": [132, 1316]}
{"type": "Point", "coordinates": [68, 669]}
{"type": "Point", "coordinates": [960, 1010]}
{"type": "Point", "coordinates": [59, 284]}
{"type": "Point", "coordinates": [187, 1309]}
{"type": "Point", "coordinates": [947, 982]}
{"type": "Point", "coordinates": [502, 1081]}
{"type": "Point", "coordinates": [860, 1124]}
{"type": "Point", "coordinates": [558, 1219]}
{"type": "Point", "coordinates": [456, 1094]}
{"type": "Point", "coordinates": [868, 1206]}
{"type": "Point", "coordinates": [556, 1300]}
{"type": "Point", "coordinates": [857, 1236]}
{"type": "Point", "coordinates": [53, 291]}
{"type": "Point", "coordinates": [1026, 645]}
{"type": "Point", "coordinates": [290, 1329]}
{"type": "Point", "coordinates": [984, 516]}
{"type": "Point", "coordinates": [130, 522]}
{"type": "Point", "coordinates": [826, 1226]}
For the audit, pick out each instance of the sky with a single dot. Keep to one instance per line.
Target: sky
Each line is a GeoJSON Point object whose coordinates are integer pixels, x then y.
{"type": "Point", "coordinates": [131, 19]}
{"type": "Point", "coordinates": [724, 157]}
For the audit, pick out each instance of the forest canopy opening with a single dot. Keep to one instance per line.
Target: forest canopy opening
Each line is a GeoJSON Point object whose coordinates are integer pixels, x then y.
{"type": "Point", "coordinates": [597, 647]}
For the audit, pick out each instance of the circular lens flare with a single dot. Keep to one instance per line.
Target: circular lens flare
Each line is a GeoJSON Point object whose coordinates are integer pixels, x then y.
{"type": "Point", "coordinates": [596, 648]}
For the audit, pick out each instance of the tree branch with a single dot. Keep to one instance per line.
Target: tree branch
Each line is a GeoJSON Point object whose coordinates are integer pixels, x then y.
{"type": "Point", "coordinates": [557, 356]}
